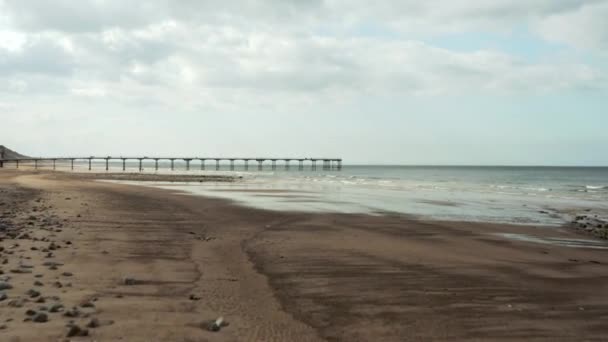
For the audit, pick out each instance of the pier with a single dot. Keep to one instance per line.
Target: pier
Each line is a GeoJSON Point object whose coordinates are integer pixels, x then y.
{"type": "Point", "coordinates": [326, 164]}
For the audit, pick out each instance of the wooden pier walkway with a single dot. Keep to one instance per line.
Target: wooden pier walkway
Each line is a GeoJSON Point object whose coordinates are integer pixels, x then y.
{"type": "Point", "coordinates": [326, 164]}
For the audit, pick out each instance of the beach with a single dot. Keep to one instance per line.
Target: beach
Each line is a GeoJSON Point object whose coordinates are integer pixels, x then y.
{"type": "Point", "coordinates": [138, 263]}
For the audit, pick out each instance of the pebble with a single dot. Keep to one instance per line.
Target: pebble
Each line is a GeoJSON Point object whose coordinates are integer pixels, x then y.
{"type": "Point", "coordinates": [51, 263]}
{"type": "Point", "coordinates": [30, 312]}
{"type": "Point", "coordinates": [74, 312]}
{"type": "Point", "coordinates": [129, 281]}
{"type": "Point", "coordinates": [87, 304]}
{"type": "Point", "coordinates": [37, 283]}
{"type": "Point", "coordinates": [16, 303]}
{"type": "Point", "coordinates": [40, 317]}
{"type": "Point", "coordinates": [67, 274]}
{"type": "Point", "coordinates": [93, 323]}
{"type": "Point", "coordinates": [77, 331]}
{"type": "Point", "coordinates": [19, 270]}
{"type": "Point", "coordinates": [56, 307]}
{"type": "Point", "coordinates": [5, 286]}
{"type": "Point", "coordinates": [32, 293]}
{"type": "Point", "coordinates": [3, 296]}
{"type": "Point", "coordinates": [216, 325]}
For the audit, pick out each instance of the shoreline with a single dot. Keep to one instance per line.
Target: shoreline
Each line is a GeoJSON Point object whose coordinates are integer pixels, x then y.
{"type": "Point", "coordinates": [290, 276]}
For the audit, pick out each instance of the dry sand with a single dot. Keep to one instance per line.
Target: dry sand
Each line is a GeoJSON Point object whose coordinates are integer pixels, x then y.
{"type": "Point", "coordinates": [278, 276]}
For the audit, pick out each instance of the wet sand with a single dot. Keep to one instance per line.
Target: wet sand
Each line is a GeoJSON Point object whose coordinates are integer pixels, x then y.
{"type": "Point", "coordinates": [278, 276]}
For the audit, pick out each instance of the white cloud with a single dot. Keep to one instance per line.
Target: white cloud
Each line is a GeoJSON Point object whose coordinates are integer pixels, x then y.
{"type": "Point", "coordinates": [585, 28]}
{"type": "Point", "coordinates": [75, 63]}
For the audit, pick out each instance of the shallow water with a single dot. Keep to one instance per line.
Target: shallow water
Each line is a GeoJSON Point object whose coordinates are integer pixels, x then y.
{"type": "Point", "coordinates": [521, 195]}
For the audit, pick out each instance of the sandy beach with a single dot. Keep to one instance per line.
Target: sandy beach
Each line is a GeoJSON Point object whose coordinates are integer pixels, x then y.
{"type": "Point", "coordinates": [120, 262]}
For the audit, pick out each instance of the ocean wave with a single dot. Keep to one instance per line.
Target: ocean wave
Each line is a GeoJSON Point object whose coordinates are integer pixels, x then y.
{"type": "Point", "coordinates": [595, 187]}
{"type": "Point", "coordinates": [510, 187]}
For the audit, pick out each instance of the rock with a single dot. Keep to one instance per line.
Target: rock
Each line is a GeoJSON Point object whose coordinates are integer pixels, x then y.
{"type": "Point", "coordinates": [3, 296]}
{"type": "Point", "coordinates": [43, 308]}
{"type": "Point", "coordinates": [5, 286]}
{"type": "Point", "coordinates": [57, 284]}
{"type": "Point", "coordinates": [87, 304]}
{"type": "Point", "coordinates": [217, 324]}
{"type": "Point", "coordinates": [30, 312]}
{"type": "Point", "coordinates": [20, 271]}
{"type": "Point", "coordinates": [67, 274]}
{"type": "Point", "coordinates": [73, 312]}
{"type": "Point", "coordinates": [32, 293]}
{"type": "Point", "coordinates": [57, 307]}
{"type": "Point", "coordinates": [77, 331]}
{"type": "Point", "coordinates": [129, 281]}
{"type": "Point", "coordinates": [38, 283]}
{"type": "Point", "coordinates": [51, 263]}
{"type": "Point", "coordinates": [93, 323]}
{"type": "Point", "coordinates": [16, 303]}
{"type": "Point", "coordinates": [40, 317]}
{"type": "Point", "coordinates": [40, 300]}
{"type": "Point", "coordinates": [194, 297]}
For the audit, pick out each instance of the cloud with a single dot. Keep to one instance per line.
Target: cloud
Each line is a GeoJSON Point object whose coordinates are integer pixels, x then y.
{"type": "Point", "coordinates": [585, 28]}
{"type": "Point", "coordinates": [234, 54]}
{"type": "Point", "coordinates": [37, 55]}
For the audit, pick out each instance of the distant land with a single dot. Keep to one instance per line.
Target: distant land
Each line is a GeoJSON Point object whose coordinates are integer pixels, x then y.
{"type": "Point", "coordinates": [7, 153]}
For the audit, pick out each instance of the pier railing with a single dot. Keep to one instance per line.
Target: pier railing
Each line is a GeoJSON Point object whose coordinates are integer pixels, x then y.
{"type": "Point", "coordinates": [326, 164]}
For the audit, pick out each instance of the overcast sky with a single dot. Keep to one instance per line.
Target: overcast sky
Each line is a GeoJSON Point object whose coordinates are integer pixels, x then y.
{"type": "Point", "coordinates": [393, 81]}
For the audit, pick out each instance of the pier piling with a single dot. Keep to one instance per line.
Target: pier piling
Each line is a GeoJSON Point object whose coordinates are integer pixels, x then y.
{"type": "Point", "coordinates": [328, 164]}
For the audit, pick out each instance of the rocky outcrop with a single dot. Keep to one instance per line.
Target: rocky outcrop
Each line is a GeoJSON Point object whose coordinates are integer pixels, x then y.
{"type": "Point", "coordinates": [7, 153]}
{"type": "Point", "coordinates": [592, 224]}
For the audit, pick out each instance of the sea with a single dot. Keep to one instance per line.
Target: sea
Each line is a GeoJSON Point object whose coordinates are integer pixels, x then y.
{"type": "Point", "coordinates": [518, 195]}
{"type": "Point", "coordinates": [544, 196]}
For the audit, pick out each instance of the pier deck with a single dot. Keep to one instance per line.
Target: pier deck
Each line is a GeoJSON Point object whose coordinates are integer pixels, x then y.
{"type": "Point", "coordinates": [326, 164]}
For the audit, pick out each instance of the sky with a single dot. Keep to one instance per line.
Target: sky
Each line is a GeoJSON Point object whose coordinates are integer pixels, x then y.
{"type": "Point", "coordinates": [455, 82]}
